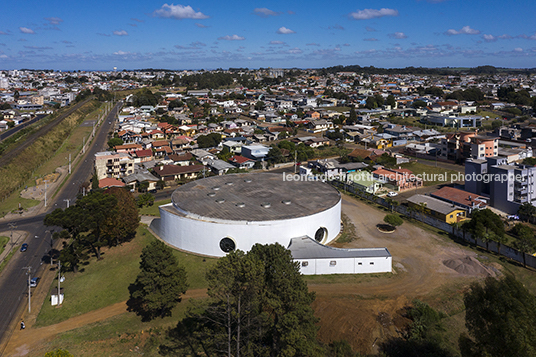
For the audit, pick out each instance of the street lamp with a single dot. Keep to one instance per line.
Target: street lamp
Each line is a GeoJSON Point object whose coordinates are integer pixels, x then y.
{"type": "Point", "coordinates": [45, 181]}
{"type": "Point", "coordinates": [29, 273]}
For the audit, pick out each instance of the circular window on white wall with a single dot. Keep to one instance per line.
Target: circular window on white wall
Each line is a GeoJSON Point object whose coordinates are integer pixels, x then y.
{"type": "Point", "coordinates": [321, 234]}
{"type": "Point", "coordinates": [227, 245]}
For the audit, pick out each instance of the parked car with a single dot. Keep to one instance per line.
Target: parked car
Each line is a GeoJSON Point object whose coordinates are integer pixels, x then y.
{"type": "Point", "coordinates": [392, 194]}
{"type": "Point", "coordinates": [24, 247]}
{"type": "Point", "coordinates": [34, 282]}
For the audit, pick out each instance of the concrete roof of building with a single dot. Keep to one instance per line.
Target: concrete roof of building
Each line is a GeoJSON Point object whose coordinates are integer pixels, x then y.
{"type": "Point", "coordinates": [254, 197]}
{"type": "Point", "coordinates": [307, 248]}
{"type": "Point", "coordinates": [434, 204]}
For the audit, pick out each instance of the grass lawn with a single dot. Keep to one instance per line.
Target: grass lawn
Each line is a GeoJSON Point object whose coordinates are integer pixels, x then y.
{"type": "Point", "coordinates": [105, 282]}
{"type": "Point", "coordinates": [153, 210]}
{"type": "Point", "coordinates": [12, 203]}
{"type": "Point", "coordinates": [432, 175]}
{"type": "Point", "coordinates": [3, 243]}
{"type": "Point", "coordinates": [8, 257]}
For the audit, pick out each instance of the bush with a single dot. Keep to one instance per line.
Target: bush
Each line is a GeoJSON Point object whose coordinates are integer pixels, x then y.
{"type": "Point", "coordinates": [393, 219]}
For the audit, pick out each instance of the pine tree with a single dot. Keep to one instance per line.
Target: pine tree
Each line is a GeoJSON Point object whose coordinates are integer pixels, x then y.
{"type": "Point", "coordinates": [160, 283]}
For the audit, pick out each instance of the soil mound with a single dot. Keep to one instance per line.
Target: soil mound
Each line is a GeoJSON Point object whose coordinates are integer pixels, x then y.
{"type": "Point", "coordinates": [467, 266]}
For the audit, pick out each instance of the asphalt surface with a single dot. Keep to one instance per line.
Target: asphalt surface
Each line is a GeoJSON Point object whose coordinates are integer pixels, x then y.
{"type": "Point", "coordinates": [13, 280]}
{"type": "Point", "coordinates": [8, 133]}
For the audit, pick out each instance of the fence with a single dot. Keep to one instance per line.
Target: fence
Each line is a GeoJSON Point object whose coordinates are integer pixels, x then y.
{"type": "Point", "coordinates": [501, 249]}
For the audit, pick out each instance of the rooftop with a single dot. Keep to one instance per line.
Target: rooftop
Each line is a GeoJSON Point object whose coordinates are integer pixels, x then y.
{"type": "Point", "coordinates": [253, 197]}
{"type": "Point", "coordinates": [307, 248]}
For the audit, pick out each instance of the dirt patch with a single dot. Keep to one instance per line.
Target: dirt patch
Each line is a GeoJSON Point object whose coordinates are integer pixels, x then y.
{"type": "Point", "coordinates": [468, 266]}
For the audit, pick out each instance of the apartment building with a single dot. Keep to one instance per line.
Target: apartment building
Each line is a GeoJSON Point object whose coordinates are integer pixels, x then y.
{"type": "Point", "coordinates": [110, 164]}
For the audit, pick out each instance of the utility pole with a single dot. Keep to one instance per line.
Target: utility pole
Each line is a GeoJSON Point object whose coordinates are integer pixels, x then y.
{"type": "Point", "coordinates": [51, 245]}
{"type": "Point", "coordinates": [295, 159]}
{"type": "Point", "coordinates": [12, 226]}
{"type": "Point", "coordinates": [84, 145]}
{"type": "Point", "coordinates": [69, 164]}
{"type": "Point", "coordinates": [59, 280]}
{"type": "Point", "coordinates": [29, 273]}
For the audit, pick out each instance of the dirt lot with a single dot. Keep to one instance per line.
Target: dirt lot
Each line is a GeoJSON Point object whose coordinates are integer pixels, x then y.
{"type": "Point", "coordinates": [368, 310]}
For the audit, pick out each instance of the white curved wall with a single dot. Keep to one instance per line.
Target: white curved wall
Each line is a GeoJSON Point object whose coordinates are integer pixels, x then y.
{"type": "Point", "coordinates": [203, 236]}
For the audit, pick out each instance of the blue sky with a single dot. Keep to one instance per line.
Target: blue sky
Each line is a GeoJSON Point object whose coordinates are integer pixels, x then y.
{"type": "Point", "coordinates": [100, 35]}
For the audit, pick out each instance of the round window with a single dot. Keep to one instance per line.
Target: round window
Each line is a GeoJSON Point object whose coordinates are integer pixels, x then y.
{"type": "Point", "coordinates": [320, 234]}
{"type": "Point", "coordinates": [227, 245]}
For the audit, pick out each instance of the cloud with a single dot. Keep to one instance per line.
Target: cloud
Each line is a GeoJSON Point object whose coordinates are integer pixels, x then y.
{"type": "Point", "coordinates": [367, 14]}
{"type": "Point", "coordinates": [346, 44]}
{"type": "Point", "coordinates": [121, 53]}
{"type": "Point", "coordinates": [66, 42]}
{"type": "Point", "coordinates": [232, 38]}
{"type": "Point", "coordinates": [3, 56]}
{"type": "Point", "coordinates": [532, 37]}
{"type": "Point", "coordinates": [103, 34]}
{"type": "Point", "coordinates": [312, 44]}
{"type": "Point", "coordinates": [371, 39]}
{"type": "Point", "coordinates": [290, 12]}
{"type": "Point", "coordinates": [135, 19]}
{"type": "Point", "coordinates": [193, 46]}
{"type": "Point", "coordinates": [295, 50]}
{"type": "Point", "coordinates": [54, 20]}
{"type": "Point", "coordinates": [284, 31]}
{"type": "Point", "coordinates": [398, 35]}
{"type": "Point", "coordinates": [133, 25]}
{"type": "Point", "coordinates": [26, 30]}
{"type": "Point", "coordinates": [179, 12]}
{"type": "Point", "coordinates": [264, 12]}
{"type": "Point", "coordinates": [201, 25]}
{"type": "Point", "coordinates": [277, 43]}
{"type": "Point", "coordinates": [336, 27]}
{"type": "Point", "coordinates": [518, 49]}
{"type": "Point", "coordinates": [489, 38]}
{"type": "Point", "coordinates": [435, 1]}
{"type": "Point", "coordinates": [120, 33]}
{"type": "Point", "coordinates": [505, 37]}
{"type": "Point", "coordinates": [370, 29]}
{"type": "Point", "coordinates": [466, 30]}
{"type": "Point", "coordinates": [3, 33]}
{"type": "Point", "coordinates": [37, 48]}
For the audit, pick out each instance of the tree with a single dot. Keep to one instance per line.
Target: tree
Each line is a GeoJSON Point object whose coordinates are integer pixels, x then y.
{"type": "Point", "coordinates": [113, 142]}
{"type": "Point", "coordinates": [393, 220]}
{"type": "Point", "coordinates": [259, 306]}
{"type": "Point", "coordinates": [235, 284]}
{"type": "Point", "coordinates": [525, 243]}
{"type": "Point", "coordinates": [391, 101]}
{"type": "Point", "coordinates": [145, 200]}
{"type": "Point", "coordinates": [290, 328]}
{"type": "Point", "coordinates": [500, 319]}
{"type": "Point", "coordinates": [353, 116]}
{"type": "Point", "coordinates": [486, 226]}
{"type": "Point", "coordinates": [527, 211]}
{"type": "Point", "coordinates": [122, 224]}
{"type": "Point", "coordinates": [259, 105]}
{"type": "Point", "coordinates": [160, 283]}
{"type": "Point", "coordinates": [94, 182]}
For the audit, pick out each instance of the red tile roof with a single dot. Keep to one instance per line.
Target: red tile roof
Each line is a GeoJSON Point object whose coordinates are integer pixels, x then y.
{"type": "Point", "coordinates": [460, 197]}
{"type": "Point", "coordinates": [110, 182]}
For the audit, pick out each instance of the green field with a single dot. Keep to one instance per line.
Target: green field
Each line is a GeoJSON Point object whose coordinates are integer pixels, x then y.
{"type": "Point", "coordinates": [3, 242]}
{"type": "Point", "coordinates": [435, 175]}
{"type": "Point", "coordinates": [105, 282]}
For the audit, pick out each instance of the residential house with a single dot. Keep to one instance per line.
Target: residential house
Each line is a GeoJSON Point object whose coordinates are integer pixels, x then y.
{"type": "Point", "coordinates": [241, 162]}
{"type": "Point", "coordinates": [170, 173]}
{"type": "Point", "coordinates": [464, 199]}
{"type": "Point", "coordinates": [398, 179]}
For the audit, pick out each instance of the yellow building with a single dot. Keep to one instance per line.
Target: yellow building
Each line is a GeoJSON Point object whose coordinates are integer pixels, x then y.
{"type": "Point", "coordinates": [440, 210]}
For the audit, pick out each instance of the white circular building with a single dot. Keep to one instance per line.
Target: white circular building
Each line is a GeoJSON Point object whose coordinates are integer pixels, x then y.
{"type": "Point", "coordinates": [216, 215]}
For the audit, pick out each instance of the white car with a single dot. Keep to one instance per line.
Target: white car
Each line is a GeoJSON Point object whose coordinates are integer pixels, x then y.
{"type": "Point", "coordinates": [391, 194]}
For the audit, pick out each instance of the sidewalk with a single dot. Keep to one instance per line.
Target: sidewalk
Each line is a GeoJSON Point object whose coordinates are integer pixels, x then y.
{"type": "Point", "coordinates": [18, 237]}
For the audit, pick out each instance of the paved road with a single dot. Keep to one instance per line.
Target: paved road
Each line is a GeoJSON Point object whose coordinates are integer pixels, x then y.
{"type": "Point", "coordinates": [8, 133]}
{"type": "Point", "coordinates": [13, 286]}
